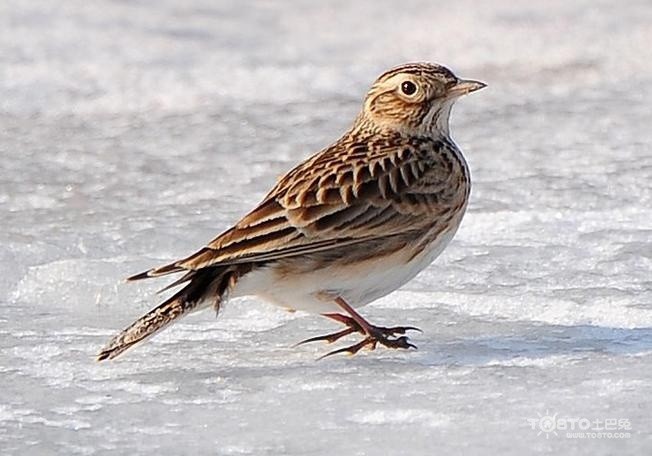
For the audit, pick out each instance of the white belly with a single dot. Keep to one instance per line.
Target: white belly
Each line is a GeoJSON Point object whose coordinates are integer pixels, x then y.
{"type": "Point", "coordinates": [358, 284]}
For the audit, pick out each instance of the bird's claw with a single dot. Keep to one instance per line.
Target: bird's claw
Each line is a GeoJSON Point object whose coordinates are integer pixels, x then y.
{"type": "Point", "coordinates": [371, 341]}
{"type": "Point", "coordinates": [353, 349]}
{"type": "Point", "coordinates": [330, 338]}
{"type": "Point", "coordinates": [402, 342]}
{"type": "Point", "coordinates": [398, 330]}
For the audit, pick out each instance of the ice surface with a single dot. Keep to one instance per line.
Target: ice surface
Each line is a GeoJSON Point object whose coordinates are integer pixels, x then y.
{"type": "Point", "coordinates": [133, 132]}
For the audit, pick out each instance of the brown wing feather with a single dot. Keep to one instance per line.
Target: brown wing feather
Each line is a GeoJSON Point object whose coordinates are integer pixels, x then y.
{"type": "Point", "coordinates": [346, 194]}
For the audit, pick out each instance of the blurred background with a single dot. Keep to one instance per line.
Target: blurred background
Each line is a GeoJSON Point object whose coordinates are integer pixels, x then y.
{"type": "Point", "coordinates": [133, 132]}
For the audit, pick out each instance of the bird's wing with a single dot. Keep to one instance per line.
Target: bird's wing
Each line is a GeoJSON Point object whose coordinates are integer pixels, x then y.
{"type": "Point", "coordinates": [347, 194]}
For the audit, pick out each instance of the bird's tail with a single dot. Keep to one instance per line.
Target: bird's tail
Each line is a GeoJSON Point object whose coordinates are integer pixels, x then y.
{"type": "Point", "coordinates": [206, 287]}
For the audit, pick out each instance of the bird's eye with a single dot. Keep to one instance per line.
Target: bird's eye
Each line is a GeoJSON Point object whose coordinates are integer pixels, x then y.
{"type": "Point", "coordinates": [408, 88]}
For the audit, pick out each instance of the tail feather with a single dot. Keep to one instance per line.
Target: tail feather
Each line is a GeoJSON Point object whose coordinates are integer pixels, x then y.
{"type": "Point", "coordinates": [156, 272]}
{"type": "Point", "coordinates": [206, 287]}
{"type": "Point", "coordinates": [170, 268]}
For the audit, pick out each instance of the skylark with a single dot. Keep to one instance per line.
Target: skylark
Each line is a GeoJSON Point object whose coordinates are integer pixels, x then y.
{"type": "Point", "coordinates": [348, 225]}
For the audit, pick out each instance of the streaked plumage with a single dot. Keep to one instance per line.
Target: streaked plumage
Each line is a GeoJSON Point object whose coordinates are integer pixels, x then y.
{"type": "Point", "coordinates": [348, 225]}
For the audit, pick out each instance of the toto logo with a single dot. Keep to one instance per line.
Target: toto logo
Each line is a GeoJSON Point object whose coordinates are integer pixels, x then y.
{"type": "Point", "coordinates": [574, 427]}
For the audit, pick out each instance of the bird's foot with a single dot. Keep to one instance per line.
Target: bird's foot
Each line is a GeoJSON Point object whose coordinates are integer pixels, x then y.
{"type": "Point", "coordinates": [352, 324]}
{"type": "Point", "coordinates": [373, 335]}
{"type": "Point", "coordinates": [371, 341]}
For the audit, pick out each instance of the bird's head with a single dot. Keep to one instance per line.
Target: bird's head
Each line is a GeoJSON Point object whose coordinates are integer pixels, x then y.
{"type": "Point", "coordinates": [416, 98]}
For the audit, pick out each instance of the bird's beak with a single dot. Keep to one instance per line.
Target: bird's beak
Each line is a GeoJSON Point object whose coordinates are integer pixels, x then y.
{"type": "Point", "coordinates": [465, 86]}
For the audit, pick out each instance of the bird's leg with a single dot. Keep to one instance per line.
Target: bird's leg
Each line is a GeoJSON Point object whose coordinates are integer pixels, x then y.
{"type": "Point", "coordinates": [348, 321]}
{"type": "Point", "coordinates": [374, 334]}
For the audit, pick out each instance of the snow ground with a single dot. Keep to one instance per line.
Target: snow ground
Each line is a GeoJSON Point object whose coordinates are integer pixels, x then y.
{"type": "Point", "coordinates": [132, 132]}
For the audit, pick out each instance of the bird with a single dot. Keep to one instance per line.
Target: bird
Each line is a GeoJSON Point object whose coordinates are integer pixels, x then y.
{"type": "Point", "coordinates": [348, 225]}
